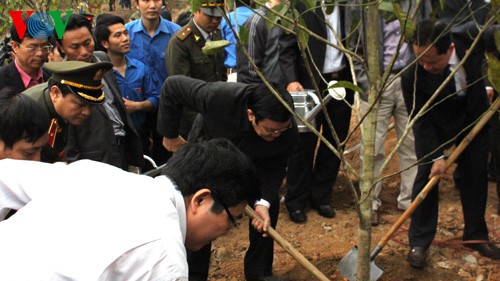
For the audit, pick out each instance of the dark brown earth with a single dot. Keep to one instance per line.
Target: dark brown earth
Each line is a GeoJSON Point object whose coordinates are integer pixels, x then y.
{"type": "Point", "coordinates": [325, 241]}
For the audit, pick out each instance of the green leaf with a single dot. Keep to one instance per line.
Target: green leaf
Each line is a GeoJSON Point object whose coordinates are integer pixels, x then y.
{"type": "Point", "coordinates": [213, 47]}
{"type": "Point", "coordinates": [302, 35]}
{"type": "Point", "coordinates": [386, 6]}
{"type": "Point", "coordinates": [243, 35]}
{"type": "Point", "coordinates": [195, 5]}
{"type": "Point", "coordinates": [329, 6]}
{"type": "Point", "coordinates": [230, 4]}
{"type": "Point", "coordinates": [493, 71]}
{"type": "Point", "coordinates": [260, 2]}
{"type": "Point", "coordinates": [348, 85]}
{"type": "Point", "coordinates": [407, 26]}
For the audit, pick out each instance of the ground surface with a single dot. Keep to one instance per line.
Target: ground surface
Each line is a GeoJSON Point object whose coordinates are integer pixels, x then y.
{"type": "Point", "coordinates": [325, 241]}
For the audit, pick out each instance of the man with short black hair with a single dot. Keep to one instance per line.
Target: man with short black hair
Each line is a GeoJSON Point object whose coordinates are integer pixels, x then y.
{"type": "Point", "coordinates": [149, 36]}
{"type": "Point", "coordinates": [25, 71]}
{"type": "Point", "coordinates": [252, 118]}
{"type": "Point", "coordinates": [109, 224]}
{"type": "Point", "coordinates": [23, 126]}
{"type": "Point", "coordinates": [133, 77]}
{"type": "Point", "coordinates": [458, 105]}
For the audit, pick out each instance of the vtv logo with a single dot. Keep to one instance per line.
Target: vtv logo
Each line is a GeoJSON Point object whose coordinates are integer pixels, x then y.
{"type": "Point", "coordinates": [39, 25]}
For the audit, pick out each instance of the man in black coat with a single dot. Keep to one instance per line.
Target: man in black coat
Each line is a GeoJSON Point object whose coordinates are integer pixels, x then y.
{"type": "Point", "coordinates": [25, 71]}
{"type": "Point", "coordinates": [308, 181]}
{"type": "Point", "coordinates": [257, 123]}
{"type": "Point", "coordinates": [457, 106]}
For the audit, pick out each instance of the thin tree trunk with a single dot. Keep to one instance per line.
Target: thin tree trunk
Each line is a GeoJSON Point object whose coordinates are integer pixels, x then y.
{"type": "Point", "coordinates": [368, 135]}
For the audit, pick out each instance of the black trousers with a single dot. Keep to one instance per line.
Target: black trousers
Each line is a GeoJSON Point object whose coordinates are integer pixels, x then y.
{"type": "Point", "coordinates": [495, 148]}
{"type": "Point", "coordinates": [258, 258]}
{"type": "Point", "coordinates": [471, 180]}
{"type": "Point", "coordinates": [309, 182]}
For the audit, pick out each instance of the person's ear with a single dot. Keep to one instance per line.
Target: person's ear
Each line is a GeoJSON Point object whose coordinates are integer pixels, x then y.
{"type": "Point", "coordinates": [200, 199]}
{"type": "Point", "coordinates": [105, 44]}
{"type": "Point", "coordinates": [15, 46]}
{"type": "Point", "coordinates": [55, 94]}
{"type": "Point", "coordinates": [250, 115]}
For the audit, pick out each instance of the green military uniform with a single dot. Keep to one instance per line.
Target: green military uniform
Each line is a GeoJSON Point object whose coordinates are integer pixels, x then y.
{"type": "Point", "coordinates": [184, 56]}
{"type": "Point", "coordinates": [58, 130]}
{"type": "Point", "coordinates": [81, 79]}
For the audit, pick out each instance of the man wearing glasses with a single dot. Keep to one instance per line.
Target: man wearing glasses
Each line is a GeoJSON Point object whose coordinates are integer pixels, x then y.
{"type": "Point", "coordinates": [25, 71]}
{"type": "Point", "coordinates": [253, 119]}
{"type": "Point", "coordinates": [115, 225]}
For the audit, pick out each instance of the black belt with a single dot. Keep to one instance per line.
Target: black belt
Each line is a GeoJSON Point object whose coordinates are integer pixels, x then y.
{"type": "Point", "coordinates": [332, 75]}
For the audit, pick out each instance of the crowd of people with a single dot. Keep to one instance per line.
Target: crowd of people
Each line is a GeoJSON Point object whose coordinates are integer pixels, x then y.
{"type": "Point", "coordinates": [112, 99]}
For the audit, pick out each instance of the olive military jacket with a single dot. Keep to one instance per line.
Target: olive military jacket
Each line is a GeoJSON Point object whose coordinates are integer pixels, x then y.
{"type": "Point", "coordinates": [58, 131]}
{"type": "Point", "coordinates": [183, 55]}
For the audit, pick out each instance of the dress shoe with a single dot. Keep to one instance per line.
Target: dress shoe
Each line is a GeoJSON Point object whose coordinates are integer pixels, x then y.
{"type": "Point", "coordinates": [326, 211]}
{"type": "Point", "coordinates": [416, 257]}
{"type": "Point", "coordinates": [486, 250]}
{"type": "Point", "coordinates": [264, 278]}
{"type": "Point", "coordinates": [374, 218]}
{"type": "Point", "coordinates": [298, 216]}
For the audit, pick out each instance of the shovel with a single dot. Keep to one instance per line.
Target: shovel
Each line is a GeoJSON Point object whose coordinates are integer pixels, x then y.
{"type": "Point", "coordinates": [347, 264]}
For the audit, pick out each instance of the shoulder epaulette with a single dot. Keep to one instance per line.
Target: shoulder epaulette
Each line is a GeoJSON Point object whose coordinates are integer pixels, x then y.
{"type": "Point", "coordinates": [185, 33]}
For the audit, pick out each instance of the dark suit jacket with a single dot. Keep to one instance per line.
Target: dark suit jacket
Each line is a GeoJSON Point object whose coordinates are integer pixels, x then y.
{"type": "Point", "coordinates": [291, 61]}
{"type": "Point", "coordinates": [95, 138]}
{"type": "Point", "coordinates": [223, 107]}
{"type": "Point", "coordinates": [10, 77]}
{"type": "Point", "coordinates": [450, 113]}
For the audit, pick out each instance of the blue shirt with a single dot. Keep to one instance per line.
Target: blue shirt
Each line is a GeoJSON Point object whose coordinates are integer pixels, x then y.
{"type": "Point", "coordinates": [137, 85]}
{"type": "Point", "coordinates": [151, 50]}
{"type": "Point", "coordinates": [242, 13]}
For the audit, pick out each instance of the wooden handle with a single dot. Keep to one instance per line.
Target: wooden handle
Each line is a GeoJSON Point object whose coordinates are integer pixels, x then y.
{"type": "Point", "coordinates": [288, 247]}
{"type": "Point", "coordinates": [454, 155]}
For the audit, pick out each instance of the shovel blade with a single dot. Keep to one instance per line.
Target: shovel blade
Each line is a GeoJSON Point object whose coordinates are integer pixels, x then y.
{"type": "Point", "coordinates": [347, 266]}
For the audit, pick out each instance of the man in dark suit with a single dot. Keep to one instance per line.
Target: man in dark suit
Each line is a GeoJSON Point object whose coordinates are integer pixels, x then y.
{"type": "Point", "coordinates": [108, 135]}
{"type": "Point", "coordinates": [460, 103]}
{"type": "Point", "coordinates": [259, 125]}
{"type": "Point", "coordinates": [25, 70]}
{"type": "Point", "coordinates": [309, 182]}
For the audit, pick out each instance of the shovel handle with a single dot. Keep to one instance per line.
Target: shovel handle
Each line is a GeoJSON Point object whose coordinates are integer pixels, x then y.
{"type": "Point", "coordinates": [288, 247]}
{"type": "Point", "coordinates": [428, 187]}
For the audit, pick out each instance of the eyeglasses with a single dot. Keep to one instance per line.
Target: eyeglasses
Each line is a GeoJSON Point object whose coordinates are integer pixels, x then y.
{"type": "Point", "coordinates": [31, 49]}
{"type": "Point", "coordinates": [231, 218]}
{"type": "Point", "coordinates": [271, 132]}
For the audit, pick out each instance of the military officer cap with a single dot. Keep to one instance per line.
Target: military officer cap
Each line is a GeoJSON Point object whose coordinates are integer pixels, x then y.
{"type": "Point", "coordinates": [211, 7]}
{"type": "Point", "coordinates": [82, 78]}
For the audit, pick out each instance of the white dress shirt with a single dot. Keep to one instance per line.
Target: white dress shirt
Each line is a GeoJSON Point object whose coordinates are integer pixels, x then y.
{"type": "Point", "coordinates": [89, 221]}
